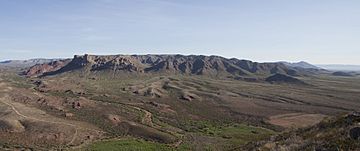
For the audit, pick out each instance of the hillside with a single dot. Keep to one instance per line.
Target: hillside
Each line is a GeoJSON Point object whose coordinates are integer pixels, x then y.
{"type": "Point", "coordinates": [281, 78]}
{"type": "Point", "coordinates": [40, 69]}
{"type": "Point", "coordinates": [340, 133]}
{"type": "Point", "coordinates": [344, 74]}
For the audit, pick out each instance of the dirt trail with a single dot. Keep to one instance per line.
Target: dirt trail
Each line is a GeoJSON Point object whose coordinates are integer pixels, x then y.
{"type": "Point", "coordinates": [177, 144]}
{"type": "Point", "coordinates": [3, 100]}
{"type": "Point", "coordinates": [147, 120]}
{"type": "Point", "coordinates": [36, 119]}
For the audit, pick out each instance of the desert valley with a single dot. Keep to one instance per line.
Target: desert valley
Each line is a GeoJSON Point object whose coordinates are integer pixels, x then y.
{"type": "Point", "coordinates": [176, 102]}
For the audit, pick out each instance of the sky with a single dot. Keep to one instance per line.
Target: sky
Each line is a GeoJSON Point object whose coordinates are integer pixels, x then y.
{"type": "Point", "coordinates": [317, 31]}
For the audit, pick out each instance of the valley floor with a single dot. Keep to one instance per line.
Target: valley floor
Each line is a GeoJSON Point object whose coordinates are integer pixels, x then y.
{"type": "Point", "coordinates": [161, 112]}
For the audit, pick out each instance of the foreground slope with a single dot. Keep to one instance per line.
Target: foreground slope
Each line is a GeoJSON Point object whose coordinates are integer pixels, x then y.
{"type": "Point", "coordinates": [338, 133]}
{"type": "Point", "coordinates": [23, 126]}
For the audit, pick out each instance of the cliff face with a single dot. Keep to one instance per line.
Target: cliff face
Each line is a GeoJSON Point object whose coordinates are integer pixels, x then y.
{"type": "Point", "coordinates": [193, 64]}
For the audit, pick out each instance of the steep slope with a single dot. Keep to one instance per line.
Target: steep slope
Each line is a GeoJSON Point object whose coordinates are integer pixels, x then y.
{"type": "Point", "coordinates": [174, 64]}
{"type": "Point", "coordinates": [342, 133]}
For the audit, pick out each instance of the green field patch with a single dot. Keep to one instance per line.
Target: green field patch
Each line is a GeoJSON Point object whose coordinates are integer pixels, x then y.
{"type": "Point", "coordinates": [128, 145]}
{"type": "Point", "coordinates": [233, 133]}
{"type": "Point", "coordinates": [17, 80]}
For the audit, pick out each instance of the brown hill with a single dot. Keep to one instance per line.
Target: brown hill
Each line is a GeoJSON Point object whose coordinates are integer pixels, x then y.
{"type": "Point", "coordinates": [40, 69]}
{"type": "Point", "coordinates": [341, 73]}
{"type": "Point", "coordinates": [192, 65]}
{"type": "Point", "coordinates": [281, 78]}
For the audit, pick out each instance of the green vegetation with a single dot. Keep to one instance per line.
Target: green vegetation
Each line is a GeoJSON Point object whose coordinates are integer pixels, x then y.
{"type": "Point", "coordinates": [218, 129]}
{"type": "Point", "coordinates": [62, 94]}
{"type": "Point", "coordinates": [17, 80]}
{"type": "Point", "coordinates": [128, 145]}
{"type": "Point", "coordinates": [231, 134]}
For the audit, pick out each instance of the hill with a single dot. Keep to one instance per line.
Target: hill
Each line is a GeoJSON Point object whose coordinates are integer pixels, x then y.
{"type": "Point", "coordinates": [281, 78]}
{"type": "Point", "coordinates": [40, 69]}
{"type": "Point", "coordinates": [301, 64]}
{"type": "Point", "coordinates": [342, 73]}
{"type": "Point", "coordinates": [25, 63]}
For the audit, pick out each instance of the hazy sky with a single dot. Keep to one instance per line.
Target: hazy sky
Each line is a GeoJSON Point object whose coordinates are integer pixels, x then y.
{"type": "Point", "coordinates": [318, 31]}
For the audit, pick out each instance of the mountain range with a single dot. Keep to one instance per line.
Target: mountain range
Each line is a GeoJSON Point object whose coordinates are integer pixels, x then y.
{"type": "Point", "coordinates": [301, 64]}
{"type": "Point", "coordinates": [171, 64]}
{"type": "Point", "coordinates": [26, 63]}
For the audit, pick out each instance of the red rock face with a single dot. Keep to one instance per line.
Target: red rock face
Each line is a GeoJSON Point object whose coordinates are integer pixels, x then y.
{"type": "Point", "coordinates": [45, 68]}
